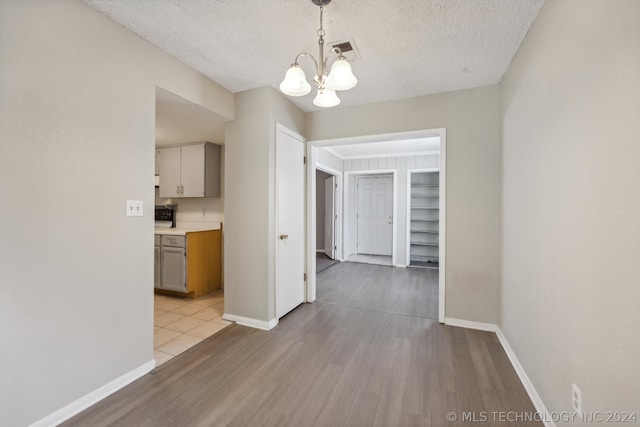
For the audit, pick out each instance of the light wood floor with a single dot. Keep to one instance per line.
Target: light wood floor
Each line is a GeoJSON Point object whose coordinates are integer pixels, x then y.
{"type": "Point", "coordinates": [409, 291]}
{"type": "Point", "coordinates": [324, 365]}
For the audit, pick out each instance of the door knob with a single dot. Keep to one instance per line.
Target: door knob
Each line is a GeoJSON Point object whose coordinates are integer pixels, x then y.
{"type": "Point", "coordinates": [284, 236]}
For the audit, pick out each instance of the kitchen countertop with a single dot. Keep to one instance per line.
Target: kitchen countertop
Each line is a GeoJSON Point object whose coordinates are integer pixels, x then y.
{"type": "Point", "coordinates": [182, 229]}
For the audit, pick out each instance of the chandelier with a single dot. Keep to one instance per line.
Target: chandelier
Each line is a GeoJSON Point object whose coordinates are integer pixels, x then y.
{"type": "Point", "coordinates": [339, 78]}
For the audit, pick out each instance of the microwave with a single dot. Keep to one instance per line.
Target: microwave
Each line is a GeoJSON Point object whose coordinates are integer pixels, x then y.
{"type": "Point", "coordinates": [166, 215]}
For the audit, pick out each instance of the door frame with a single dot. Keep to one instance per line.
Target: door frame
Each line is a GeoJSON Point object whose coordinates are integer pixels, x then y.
{"type": "Point", "coordinates": [312, 166]}
{"type": "Point", "coordinates": [375, 172]}
{"type": "Point", "coordinates": [312, 155]}
{"type": "Point", "coordinates": [337, 207]}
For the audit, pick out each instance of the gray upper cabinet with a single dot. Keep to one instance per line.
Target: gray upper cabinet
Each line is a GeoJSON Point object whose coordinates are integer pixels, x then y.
{"type": "Point", "coordinates": [190, 170]}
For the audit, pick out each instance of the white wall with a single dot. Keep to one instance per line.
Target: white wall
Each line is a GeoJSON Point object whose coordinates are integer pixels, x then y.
{"type": "Point", "coordinates": [473, 182]}
{"type": "Point", "coordinates": [401, 165]}
{"type": "Point", "coordinates": [570, 109]}
{"type": "Point", "coordinates": [77, 101]}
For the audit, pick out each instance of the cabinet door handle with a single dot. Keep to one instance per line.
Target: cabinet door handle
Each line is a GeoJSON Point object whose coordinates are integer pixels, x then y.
{"type": "Point", "coordinates": [284, 236]}
{"type": "Point", "coordinates": [178, 190]}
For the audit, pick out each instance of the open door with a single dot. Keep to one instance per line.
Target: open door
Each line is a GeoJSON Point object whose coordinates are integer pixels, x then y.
{"type": "Point", "coordinates": [330, 217]}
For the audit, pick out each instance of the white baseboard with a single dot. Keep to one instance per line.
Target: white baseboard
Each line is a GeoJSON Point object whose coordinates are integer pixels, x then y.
{"type": "Point", "coordinates": [320, 250]}
{"type": "Point", "coordinates": [526, 382]}
{"type": "Point", "coordinates": [400, 266]}
{"type": "Point", "coordinates": [252, 323]}
{"type": "Point", "coordinates": [79, 405]}
{"type": "Point", "coordinates": [490, 327]}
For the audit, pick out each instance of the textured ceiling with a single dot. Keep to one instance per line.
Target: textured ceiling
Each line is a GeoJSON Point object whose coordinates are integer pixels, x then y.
{"type": "Point", "coordinates": [407, 48]}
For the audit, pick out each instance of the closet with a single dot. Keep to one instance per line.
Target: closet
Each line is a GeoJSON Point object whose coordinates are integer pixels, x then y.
{"type": "Point", "coordinates": [424, 212]}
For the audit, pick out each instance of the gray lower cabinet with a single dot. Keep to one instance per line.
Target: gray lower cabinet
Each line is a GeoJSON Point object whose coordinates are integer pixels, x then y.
{"type": "Point", "coordinates": [172, 269]}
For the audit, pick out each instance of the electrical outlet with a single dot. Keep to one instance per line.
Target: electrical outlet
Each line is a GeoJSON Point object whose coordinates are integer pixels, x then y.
{"type": "Point", "coordinates": [134, 208]}
{"type": "Point", "coordinates": [576, 399]}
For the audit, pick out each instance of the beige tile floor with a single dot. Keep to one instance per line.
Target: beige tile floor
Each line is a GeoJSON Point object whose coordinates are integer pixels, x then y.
{"type": "Point", "coordinates": [181, 323]}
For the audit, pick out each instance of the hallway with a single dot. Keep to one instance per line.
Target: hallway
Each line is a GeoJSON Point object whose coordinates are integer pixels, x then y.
{"type": "Point", "coordinates": [408, 291]}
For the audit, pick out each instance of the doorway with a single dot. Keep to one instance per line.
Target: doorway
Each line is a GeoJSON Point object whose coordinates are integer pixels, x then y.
{"type": "Point", "coordinates": [369, 217]}
{"type": "Point", "coordinates": [397, 154]}
{"type": "Point", "coordinates": [326, 218]}
{"type": "Point", "coordinates": [181, 322]}
{"type": "Point", "coordinates": [374, 219]}
{"type": "Point", "coordinates": [423, 217]}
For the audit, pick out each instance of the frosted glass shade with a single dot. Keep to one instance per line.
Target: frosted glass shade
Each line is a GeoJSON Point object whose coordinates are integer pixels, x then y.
{"type": "Point", "coordinates": [341, 77]}
{"type": "Point", "coordinates": [326, 98]}
{"type": "Point", "coordinates": [295, 82]}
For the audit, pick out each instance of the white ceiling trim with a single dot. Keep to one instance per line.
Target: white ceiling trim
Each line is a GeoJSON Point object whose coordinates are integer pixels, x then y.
{"type": "Point", "coordinates": [379, 156]}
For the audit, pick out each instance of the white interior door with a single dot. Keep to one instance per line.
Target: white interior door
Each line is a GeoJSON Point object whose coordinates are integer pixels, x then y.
{"type": "Point", "coordinates": [290, 221]}
{"type": "Point", "coordinates": [374, 215]}
{"type": "Point", "coordinates": [330, 217]}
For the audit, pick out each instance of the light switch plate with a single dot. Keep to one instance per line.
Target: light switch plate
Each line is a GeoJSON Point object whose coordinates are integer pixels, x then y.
{"type": "Point", "coordinates": [134, 208]}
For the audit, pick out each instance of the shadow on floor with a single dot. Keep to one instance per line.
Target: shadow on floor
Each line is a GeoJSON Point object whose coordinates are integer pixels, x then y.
{"type": "Point", "coordinates": [370, 259]}
{"type": "Point", "coordinates": [323, 262]}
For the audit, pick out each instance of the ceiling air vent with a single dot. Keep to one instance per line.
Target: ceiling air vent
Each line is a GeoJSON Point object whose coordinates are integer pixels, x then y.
{"type": "Point", "coordinates": [348, 48]}
{"type": "Point", "coordinates": [344, 47]}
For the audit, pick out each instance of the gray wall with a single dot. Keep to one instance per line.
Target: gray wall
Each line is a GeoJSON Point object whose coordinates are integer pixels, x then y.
{"type": "Point", "coordinates": [249, 243]}
{"type": "Point", "coordinates": [473, 182]}
{"type": "Point", "coordinates": [77, 108]}
{"type": "Point", "coordinates": [246, 206]}
{"type": "Point", "coordinates": [570, 114]}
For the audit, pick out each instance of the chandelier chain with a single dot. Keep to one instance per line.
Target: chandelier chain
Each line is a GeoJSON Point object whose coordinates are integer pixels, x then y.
{"type": "Point", "coordinates": [321, 32]}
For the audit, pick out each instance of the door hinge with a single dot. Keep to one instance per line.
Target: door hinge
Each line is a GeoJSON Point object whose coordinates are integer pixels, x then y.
{"type": "Point", "coordinates": [305, 277]}
{"type": "Point", "coordinates": [304, 160]}
{"type": "Point", "coordinates": [336, 185]}
{"type": "Point", "coordinates": [335, 248]}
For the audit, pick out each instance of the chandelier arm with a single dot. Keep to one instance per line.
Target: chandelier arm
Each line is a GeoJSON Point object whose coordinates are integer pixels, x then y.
{"type": "Point", "coordinates": [300, 55]}
{"type": "Point", "coordinates": [335, 50]}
